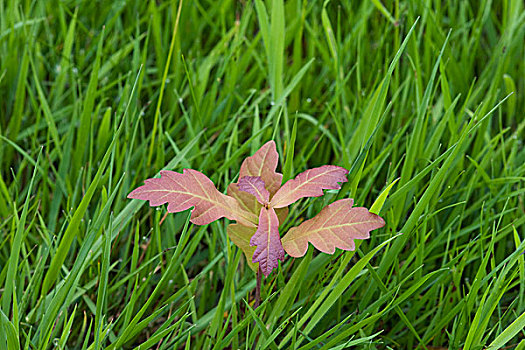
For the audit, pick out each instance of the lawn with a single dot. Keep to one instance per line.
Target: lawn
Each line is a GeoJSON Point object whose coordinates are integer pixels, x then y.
{"type": "Point", "coordinates": [422, 101]}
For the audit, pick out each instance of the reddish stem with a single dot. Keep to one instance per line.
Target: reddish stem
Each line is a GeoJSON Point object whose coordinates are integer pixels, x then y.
{"type": "Point", "coordinates": [258, 290]}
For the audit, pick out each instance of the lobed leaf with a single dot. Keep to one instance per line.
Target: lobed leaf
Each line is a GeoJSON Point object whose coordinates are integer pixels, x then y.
{"type": "Point", "coordinates": [309, 183]}
{"type": "Point", "coordinates": [263, 164]}
{"type": "Point", "coordinates": [249, 203]}
{"type": "Point", "coordinates": [192, 189]}
{"type": "Point", "coordinates": [240, 235]}
{"type": "Point", "coordinates": [254, 185]}
{"type": "Point", "coordinates": [336, 226]}
{"type": "Point", "coordinates": [269, 249]}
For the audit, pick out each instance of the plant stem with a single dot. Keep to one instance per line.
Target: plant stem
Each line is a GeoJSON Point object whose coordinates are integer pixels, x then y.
{"type": "Point", "coordinates": [258, 290]}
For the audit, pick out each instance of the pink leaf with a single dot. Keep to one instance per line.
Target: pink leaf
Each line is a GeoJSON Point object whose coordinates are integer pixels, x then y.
{"type": "Point", "coordinates": [255, 186]}
{"type": "Point", "coordinates": [310, 183]}
{"type": "Point", "coordinates": [249, 203]}
{"type": "Point", "coordinates": [336, 226]}
{"type": "Point", "coordinates": [269, 248]}
{"type": "Point", "coordinates": [263, 164]}
{"type": "Point", "coordinates": [192, 189]}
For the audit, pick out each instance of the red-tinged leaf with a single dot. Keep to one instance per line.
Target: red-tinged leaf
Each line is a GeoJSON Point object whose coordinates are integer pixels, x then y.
{"type": "Point", "coordinates": [310, 183]}
{"type": "Point", "coordinates": [269, 248]}
{"type": "Point", "coordinates": [336, 226]}
{"type": "Point", "coordinates": [192, 189]}
{"type": "Point", "coordinates": [263, 164]}
{"type": "Point", "coordinates": [240, 235]}
{"type": "Point", "coordinates": [249, 203]}
{"type": "Point", "coordinates": [254, 185]}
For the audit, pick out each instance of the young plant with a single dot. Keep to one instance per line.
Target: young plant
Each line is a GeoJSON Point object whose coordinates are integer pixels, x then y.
{"type": "Point", "coordinates": [259, 204]}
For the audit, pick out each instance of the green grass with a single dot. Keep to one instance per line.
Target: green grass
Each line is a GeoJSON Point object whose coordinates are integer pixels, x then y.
{"type": "Point", "coordinates": [95, 97]}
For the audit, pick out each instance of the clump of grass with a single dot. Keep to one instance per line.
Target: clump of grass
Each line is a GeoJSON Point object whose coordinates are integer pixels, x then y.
{"type": "Point", "coordinates": [95, 97]}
